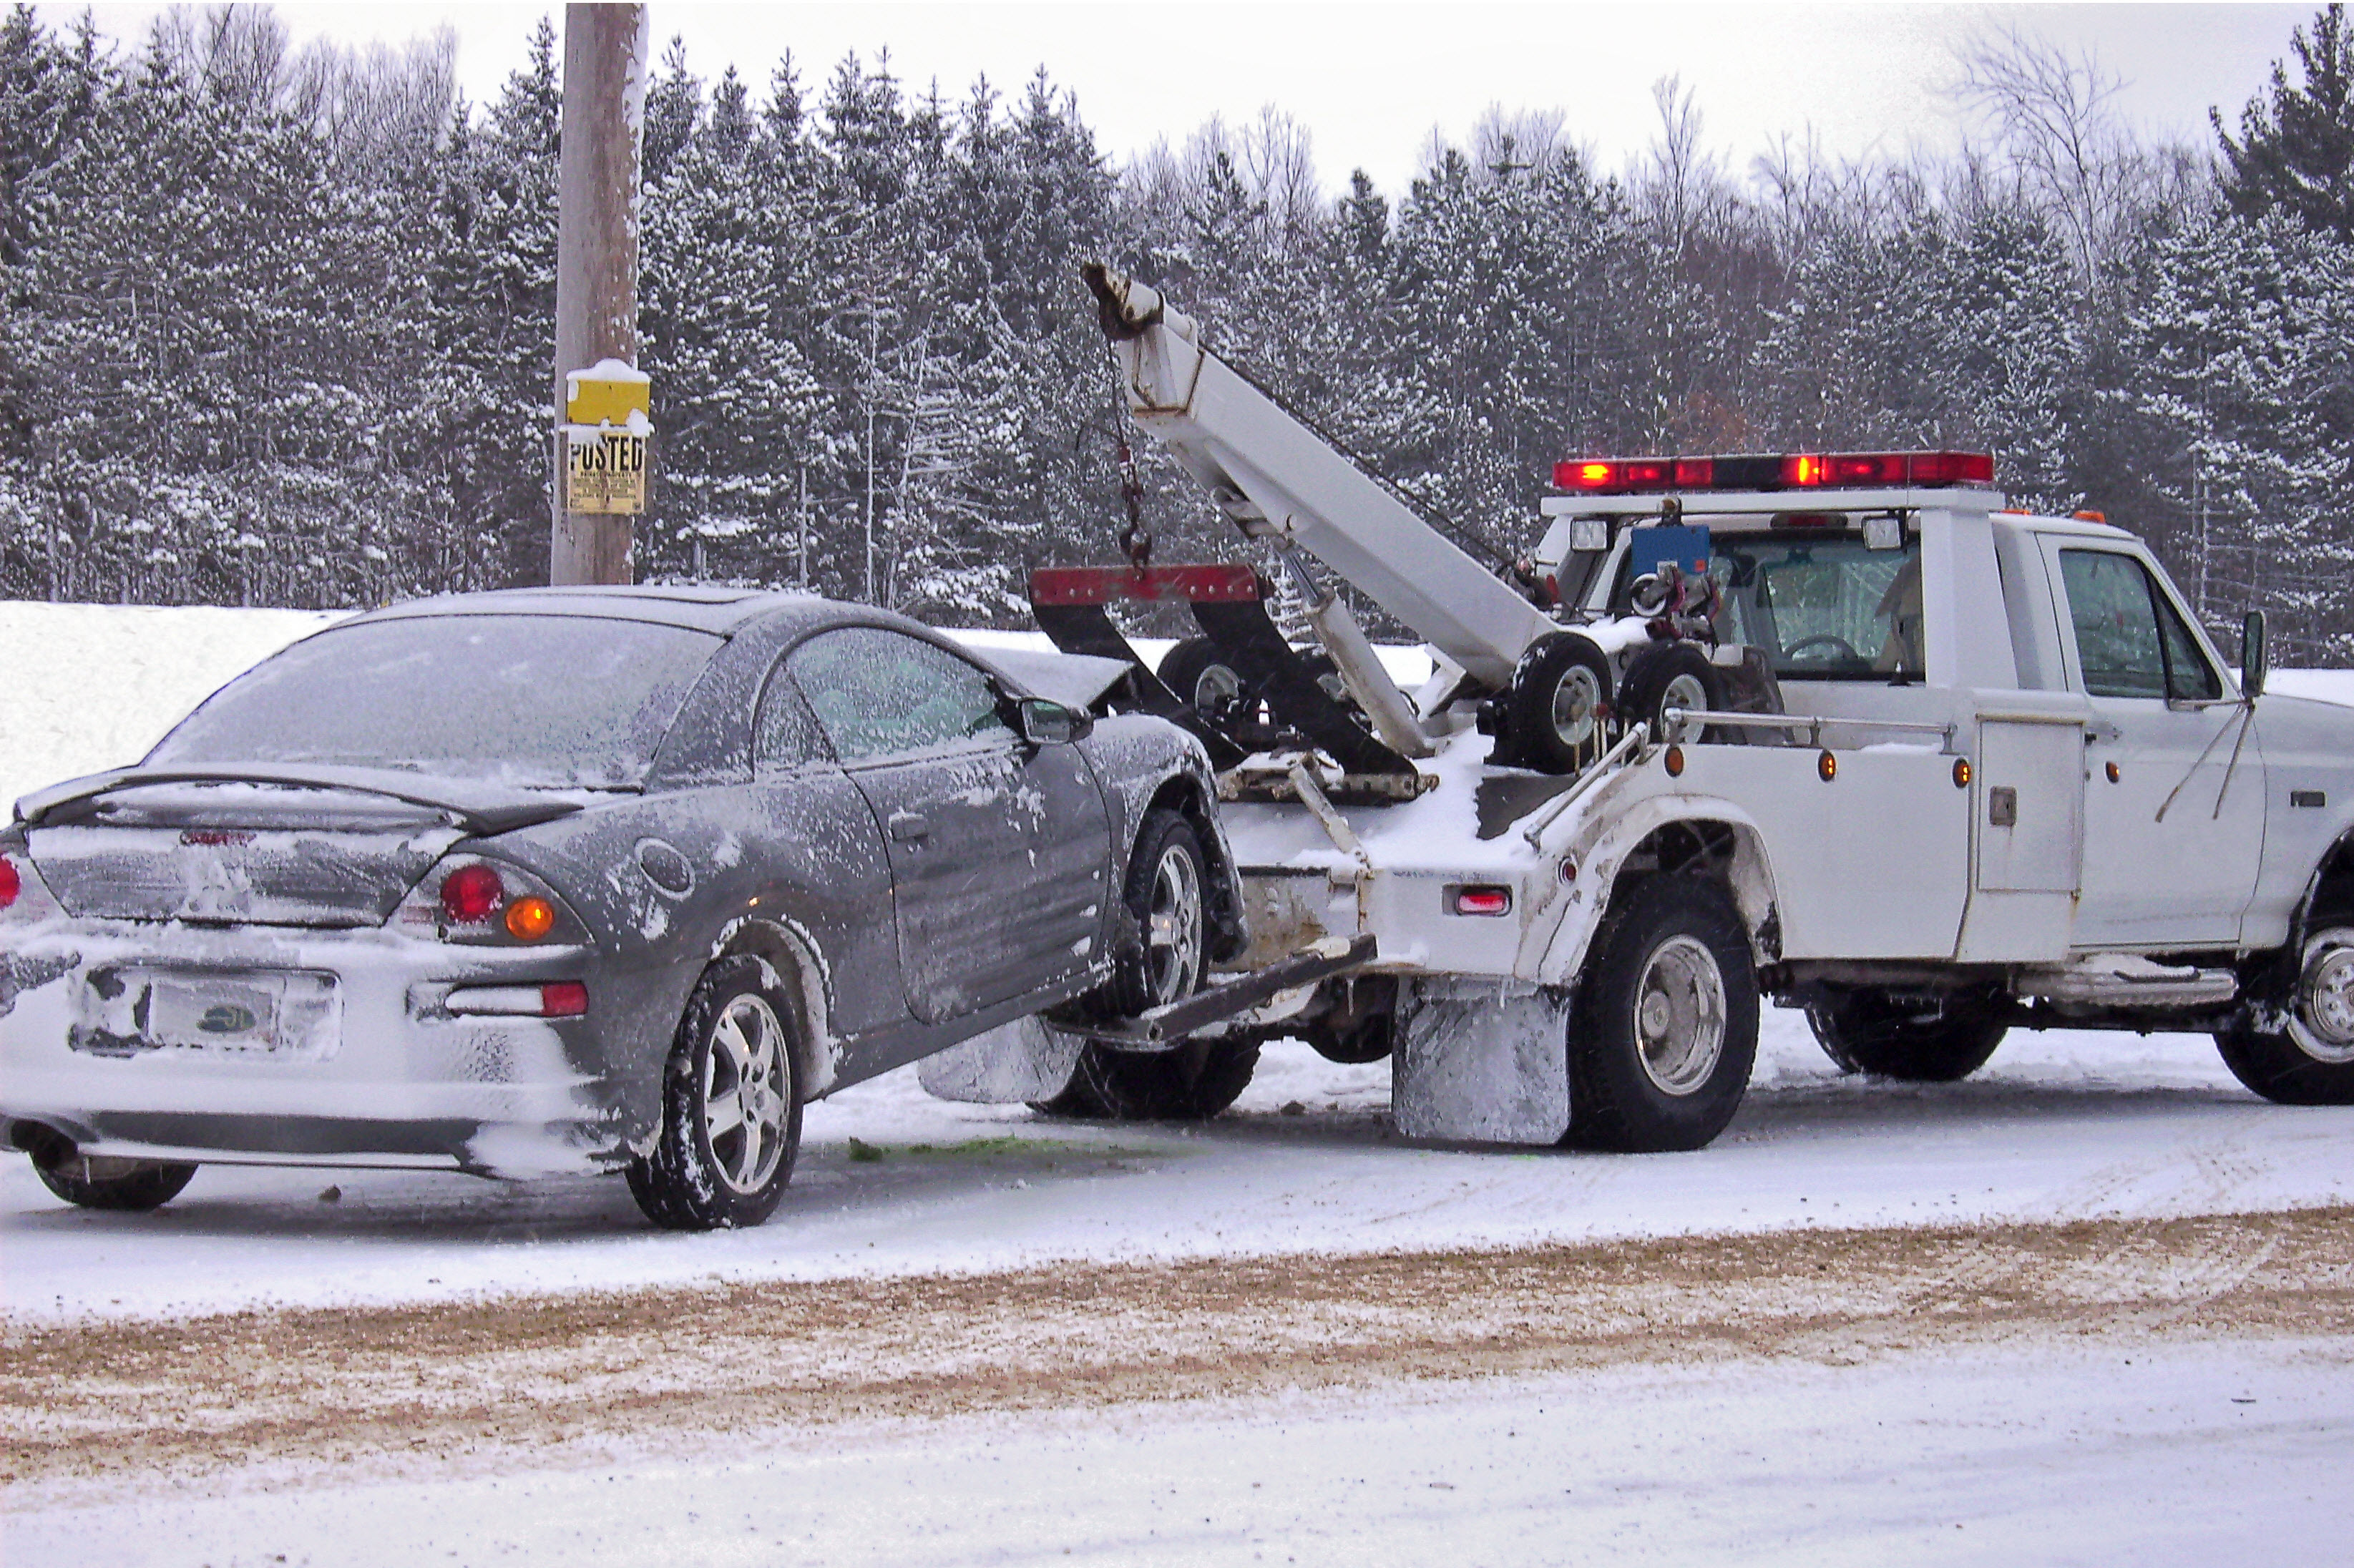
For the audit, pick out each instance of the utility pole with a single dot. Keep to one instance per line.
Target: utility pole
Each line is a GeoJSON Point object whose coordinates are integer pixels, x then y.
{"type": "Point", "coordinates": [605, 51]}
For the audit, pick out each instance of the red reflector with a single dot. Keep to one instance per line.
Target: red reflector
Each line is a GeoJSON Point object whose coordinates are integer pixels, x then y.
{"type": "Point", "coordinates": [11, 884]}
{"type": "Point", "coordinates": [1483, 901]}
{"type": "Point", "coordinates": [472, 894]}
{"type": "Point", "coordinates": [565, 999]}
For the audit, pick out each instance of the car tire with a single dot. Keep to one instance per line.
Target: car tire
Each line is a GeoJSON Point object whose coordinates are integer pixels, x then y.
{"type": "Point", "coordinates": [1664, 1032]}
{"type": "Point", "coordinates": [1166, 897]}
{"type": "Point", "coordinates": [2310, 1059]}
{"type": "Point", "coordinates": [122, 1186]}
{"type": "Point", "coordinates": [1668, 675]}
{"type": "Point", "coordinates": [1560, 694]}
{"type": "Point", "coordinates": [1871, 1033]}
{"type": "Point", "coordinates": [731, 1123]}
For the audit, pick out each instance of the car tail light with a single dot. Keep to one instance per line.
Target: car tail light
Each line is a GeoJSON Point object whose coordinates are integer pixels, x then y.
{"type": "Point", "coordinates": [1483, 900]}
{"type": "Point", "coordinates": [472, 894]}
{"type": "Point", "coordinates": [11, 883]}
{"type": "Point", "coordinates": [470, 899]}
{"type": "Point", "coordinates": [529, 919]}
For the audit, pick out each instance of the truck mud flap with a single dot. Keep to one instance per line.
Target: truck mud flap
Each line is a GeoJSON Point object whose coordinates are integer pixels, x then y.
{"type": "Point", "coordinates": [1164, 1026]}
{"type": "Point", "coordinates": [1256, 648]}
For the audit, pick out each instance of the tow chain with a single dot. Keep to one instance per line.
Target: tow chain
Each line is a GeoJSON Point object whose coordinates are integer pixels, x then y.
{"type": "Point", "coordinates": [1136, 539]}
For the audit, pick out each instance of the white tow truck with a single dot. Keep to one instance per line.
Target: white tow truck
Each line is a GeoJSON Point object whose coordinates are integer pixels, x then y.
{"type": "Point", "coordinates": [1840, 730]}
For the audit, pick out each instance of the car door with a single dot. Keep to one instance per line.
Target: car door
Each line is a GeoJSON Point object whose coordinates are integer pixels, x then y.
{"type": "Point", "coordinates": [815, 862]}
{"type": "Point", "coordinates": [2174, 790]}
{"type": "Point", "coordinates": [998, 850]}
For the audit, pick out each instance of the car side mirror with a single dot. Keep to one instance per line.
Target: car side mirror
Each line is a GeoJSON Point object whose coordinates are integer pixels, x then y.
{"type": "Point", "coordinates": [2255, 660]}
{"type": "Point", "coordinates": [1046, 723]}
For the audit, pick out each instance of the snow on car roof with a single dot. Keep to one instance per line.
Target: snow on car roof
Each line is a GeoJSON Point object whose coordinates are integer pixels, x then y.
{"type": "Point", "coordinates": [717, 610]}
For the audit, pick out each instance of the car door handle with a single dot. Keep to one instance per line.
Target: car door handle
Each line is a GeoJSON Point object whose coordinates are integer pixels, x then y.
{"type": "Point", "coordinates": [908, 827]}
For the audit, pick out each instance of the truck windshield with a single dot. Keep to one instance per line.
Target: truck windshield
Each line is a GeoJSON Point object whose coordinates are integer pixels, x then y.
{"type": "Point", "coordinates": [539, 701]}
{"type": "Point", "coordinates": [1822, 605]}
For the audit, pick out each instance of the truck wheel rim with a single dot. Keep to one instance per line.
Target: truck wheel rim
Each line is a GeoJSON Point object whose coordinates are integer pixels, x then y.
{"type": "Point", "coordinates": [1573, 702]}
{"type": "Point", "coordinates": [1173, 928]}
{"type": "Point", "coordinates": [2323, 1020]}
{"type": "Point", "coordinates": [1680, 1015]}
{"type": "Point", "coordinates": [745, 1107]}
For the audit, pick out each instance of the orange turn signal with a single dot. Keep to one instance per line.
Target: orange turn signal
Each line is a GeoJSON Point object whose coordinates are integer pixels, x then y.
{"type": "Point", "coordinates": [529, 919]}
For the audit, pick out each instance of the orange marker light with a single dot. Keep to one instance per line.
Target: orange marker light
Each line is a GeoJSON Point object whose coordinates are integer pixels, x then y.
{"type": "Point", "coordinates": [529, 919]}
{"type": "Point", "coordinates": [1961, 772]}
{"type": "Point", "coordinates": [1674, 761]}
{"type": "Point", "coordinates": [1826, 766]}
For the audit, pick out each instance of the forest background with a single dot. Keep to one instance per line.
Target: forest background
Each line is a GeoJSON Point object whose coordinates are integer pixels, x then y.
{"type": "Point", "coordinates": [279, 321]}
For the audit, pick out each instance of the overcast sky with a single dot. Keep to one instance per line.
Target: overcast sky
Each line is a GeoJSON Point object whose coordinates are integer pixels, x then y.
{"type": "Point", "coordinates": [1372, 81]}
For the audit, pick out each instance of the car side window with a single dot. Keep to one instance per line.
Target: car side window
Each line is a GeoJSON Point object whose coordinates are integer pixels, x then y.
{"type": "Point", "coordinates": [878, 693]}
{"type": "Point", "coordinates": [784, 736]}
{"type": "Point", "coordinates": [2129, 641]}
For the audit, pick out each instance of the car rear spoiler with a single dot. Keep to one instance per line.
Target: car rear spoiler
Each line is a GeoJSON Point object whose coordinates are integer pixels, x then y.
{"type": "Point", "coordinates": [484, 808]}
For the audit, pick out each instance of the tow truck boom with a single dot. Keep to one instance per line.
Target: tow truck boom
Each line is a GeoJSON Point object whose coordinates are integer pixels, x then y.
{"type": "Point", "coordinates": [1278, 479]}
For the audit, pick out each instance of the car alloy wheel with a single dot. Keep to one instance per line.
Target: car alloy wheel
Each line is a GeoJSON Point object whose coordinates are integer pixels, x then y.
{"type": "Point", "coordinates": [743, 1093]}
{"type": "Point", "coordinates": [1172, 927]}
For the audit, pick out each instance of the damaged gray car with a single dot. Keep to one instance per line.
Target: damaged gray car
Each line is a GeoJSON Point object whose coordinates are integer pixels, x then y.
{"type": "Point", "coordinates": [595, 879]}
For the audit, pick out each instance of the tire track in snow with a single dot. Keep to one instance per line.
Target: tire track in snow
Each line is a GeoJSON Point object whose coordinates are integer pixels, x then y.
{"type": "Point", "coordinates": [103, 1402]}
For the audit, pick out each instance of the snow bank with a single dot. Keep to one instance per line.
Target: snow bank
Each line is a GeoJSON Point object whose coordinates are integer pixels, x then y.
{"type": "Point", "coordinates": [89, 686]}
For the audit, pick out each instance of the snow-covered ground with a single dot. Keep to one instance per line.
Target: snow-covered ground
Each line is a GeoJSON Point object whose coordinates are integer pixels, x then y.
{"type": "Point", "coordinates": [2095, 1451]}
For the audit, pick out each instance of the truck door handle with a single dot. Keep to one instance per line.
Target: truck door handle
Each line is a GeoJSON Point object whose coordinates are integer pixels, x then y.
{"type": "Point", "coordinates": [908, 827]}
{"type": "Point", "coordinates": [2100, 731]}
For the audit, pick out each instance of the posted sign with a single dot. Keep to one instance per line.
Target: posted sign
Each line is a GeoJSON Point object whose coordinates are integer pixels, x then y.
{"type": "Point", "coordinates": [604, 470]}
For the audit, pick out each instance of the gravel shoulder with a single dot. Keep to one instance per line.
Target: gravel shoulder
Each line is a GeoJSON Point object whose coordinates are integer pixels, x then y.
{"type": "Point", "coordinates": [96, 1405]}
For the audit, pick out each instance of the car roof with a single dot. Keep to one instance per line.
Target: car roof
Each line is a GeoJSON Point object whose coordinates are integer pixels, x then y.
{"type": "Point", "coordinates": [720, 612]}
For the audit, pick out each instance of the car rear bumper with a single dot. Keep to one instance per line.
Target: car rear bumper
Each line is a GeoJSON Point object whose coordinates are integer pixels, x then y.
{"type": "Point", "coordinates": [391, 1079]}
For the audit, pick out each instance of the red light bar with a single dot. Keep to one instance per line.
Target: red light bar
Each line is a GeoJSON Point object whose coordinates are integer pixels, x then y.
{"type": "Point", "coordinates": [1798, 471]}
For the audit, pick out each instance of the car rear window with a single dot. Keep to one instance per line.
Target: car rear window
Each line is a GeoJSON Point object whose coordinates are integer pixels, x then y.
{"type": "Point", "coordinates": [555, 702]}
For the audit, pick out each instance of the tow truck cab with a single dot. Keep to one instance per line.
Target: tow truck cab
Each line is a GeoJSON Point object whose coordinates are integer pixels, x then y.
{"type": "Point", "coordinates": [2022, 766]}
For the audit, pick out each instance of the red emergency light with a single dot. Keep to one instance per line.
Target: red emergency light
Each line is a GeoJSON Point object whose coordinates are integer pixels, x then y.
{"type": "Point", "coordinates": [1796, 470]}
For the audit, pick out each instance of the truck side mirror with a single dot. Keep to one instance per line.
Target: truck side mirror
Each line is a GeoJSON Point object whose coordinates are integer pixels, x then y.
{"type": "Point", "coordinates": [2255, 661]}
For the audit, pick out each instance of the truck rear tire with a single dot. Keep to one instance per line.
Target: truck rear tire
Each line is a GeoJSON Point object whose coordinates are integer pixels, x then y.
{"type": "Point", "coordinates": [1665, 1029]}
{"type": "Point", "coordinates": [2310, 1061]}
{"type": "Point", "coordinates": [1872, 1033]}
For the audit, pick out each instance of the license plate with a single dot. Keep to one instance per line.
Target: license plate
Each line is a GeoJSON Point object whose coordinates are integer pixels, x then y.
{"type": "Point", "coordinates": [269, 1013]}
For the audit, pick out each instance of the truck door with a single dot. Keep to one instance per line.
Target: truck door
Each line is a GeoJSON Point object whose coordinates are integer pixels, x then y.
{"type": "Point", "coordinates": [2174, 821]}
{"type": "Point", "coordinates": [998, 849]}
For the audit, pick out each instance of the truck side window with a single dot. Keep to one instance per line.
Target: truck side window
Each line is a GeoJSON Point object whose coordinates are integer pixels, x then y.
{"type": "Point", "coordinates": [2129, 641]}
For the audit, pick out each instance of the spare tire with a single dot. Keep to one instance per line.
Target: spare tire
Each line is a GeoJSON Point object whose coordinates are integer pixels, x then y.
{"type": "Point", "coordinates": [1670, 675]}
{"type": "Point", "coordinates": [1560, 697]}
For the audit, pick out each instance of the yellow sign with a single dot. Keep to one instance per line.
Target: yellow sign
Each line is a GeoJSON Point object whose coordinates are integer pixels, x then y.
{"type": "Point", "coordinates": [604, 470]}
{"type": "Point", "coordinates": [607, 393]}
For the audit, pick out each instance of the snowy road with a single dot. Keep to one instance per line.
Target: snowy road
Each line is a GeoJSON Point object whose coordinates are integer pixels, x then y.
{"type": "Point", "coordinates": [2058, 1126]}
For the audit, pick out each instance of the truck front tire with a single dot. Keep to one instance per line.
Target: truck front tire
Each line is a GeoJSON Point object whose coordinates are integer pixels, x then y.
{"type": "Point", "coordinates": [1943, 1042]}
{"type": "Point", "coordinates": [2310, 1059]}
{"type": "Point", "coordinates": [1665, 1029]}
